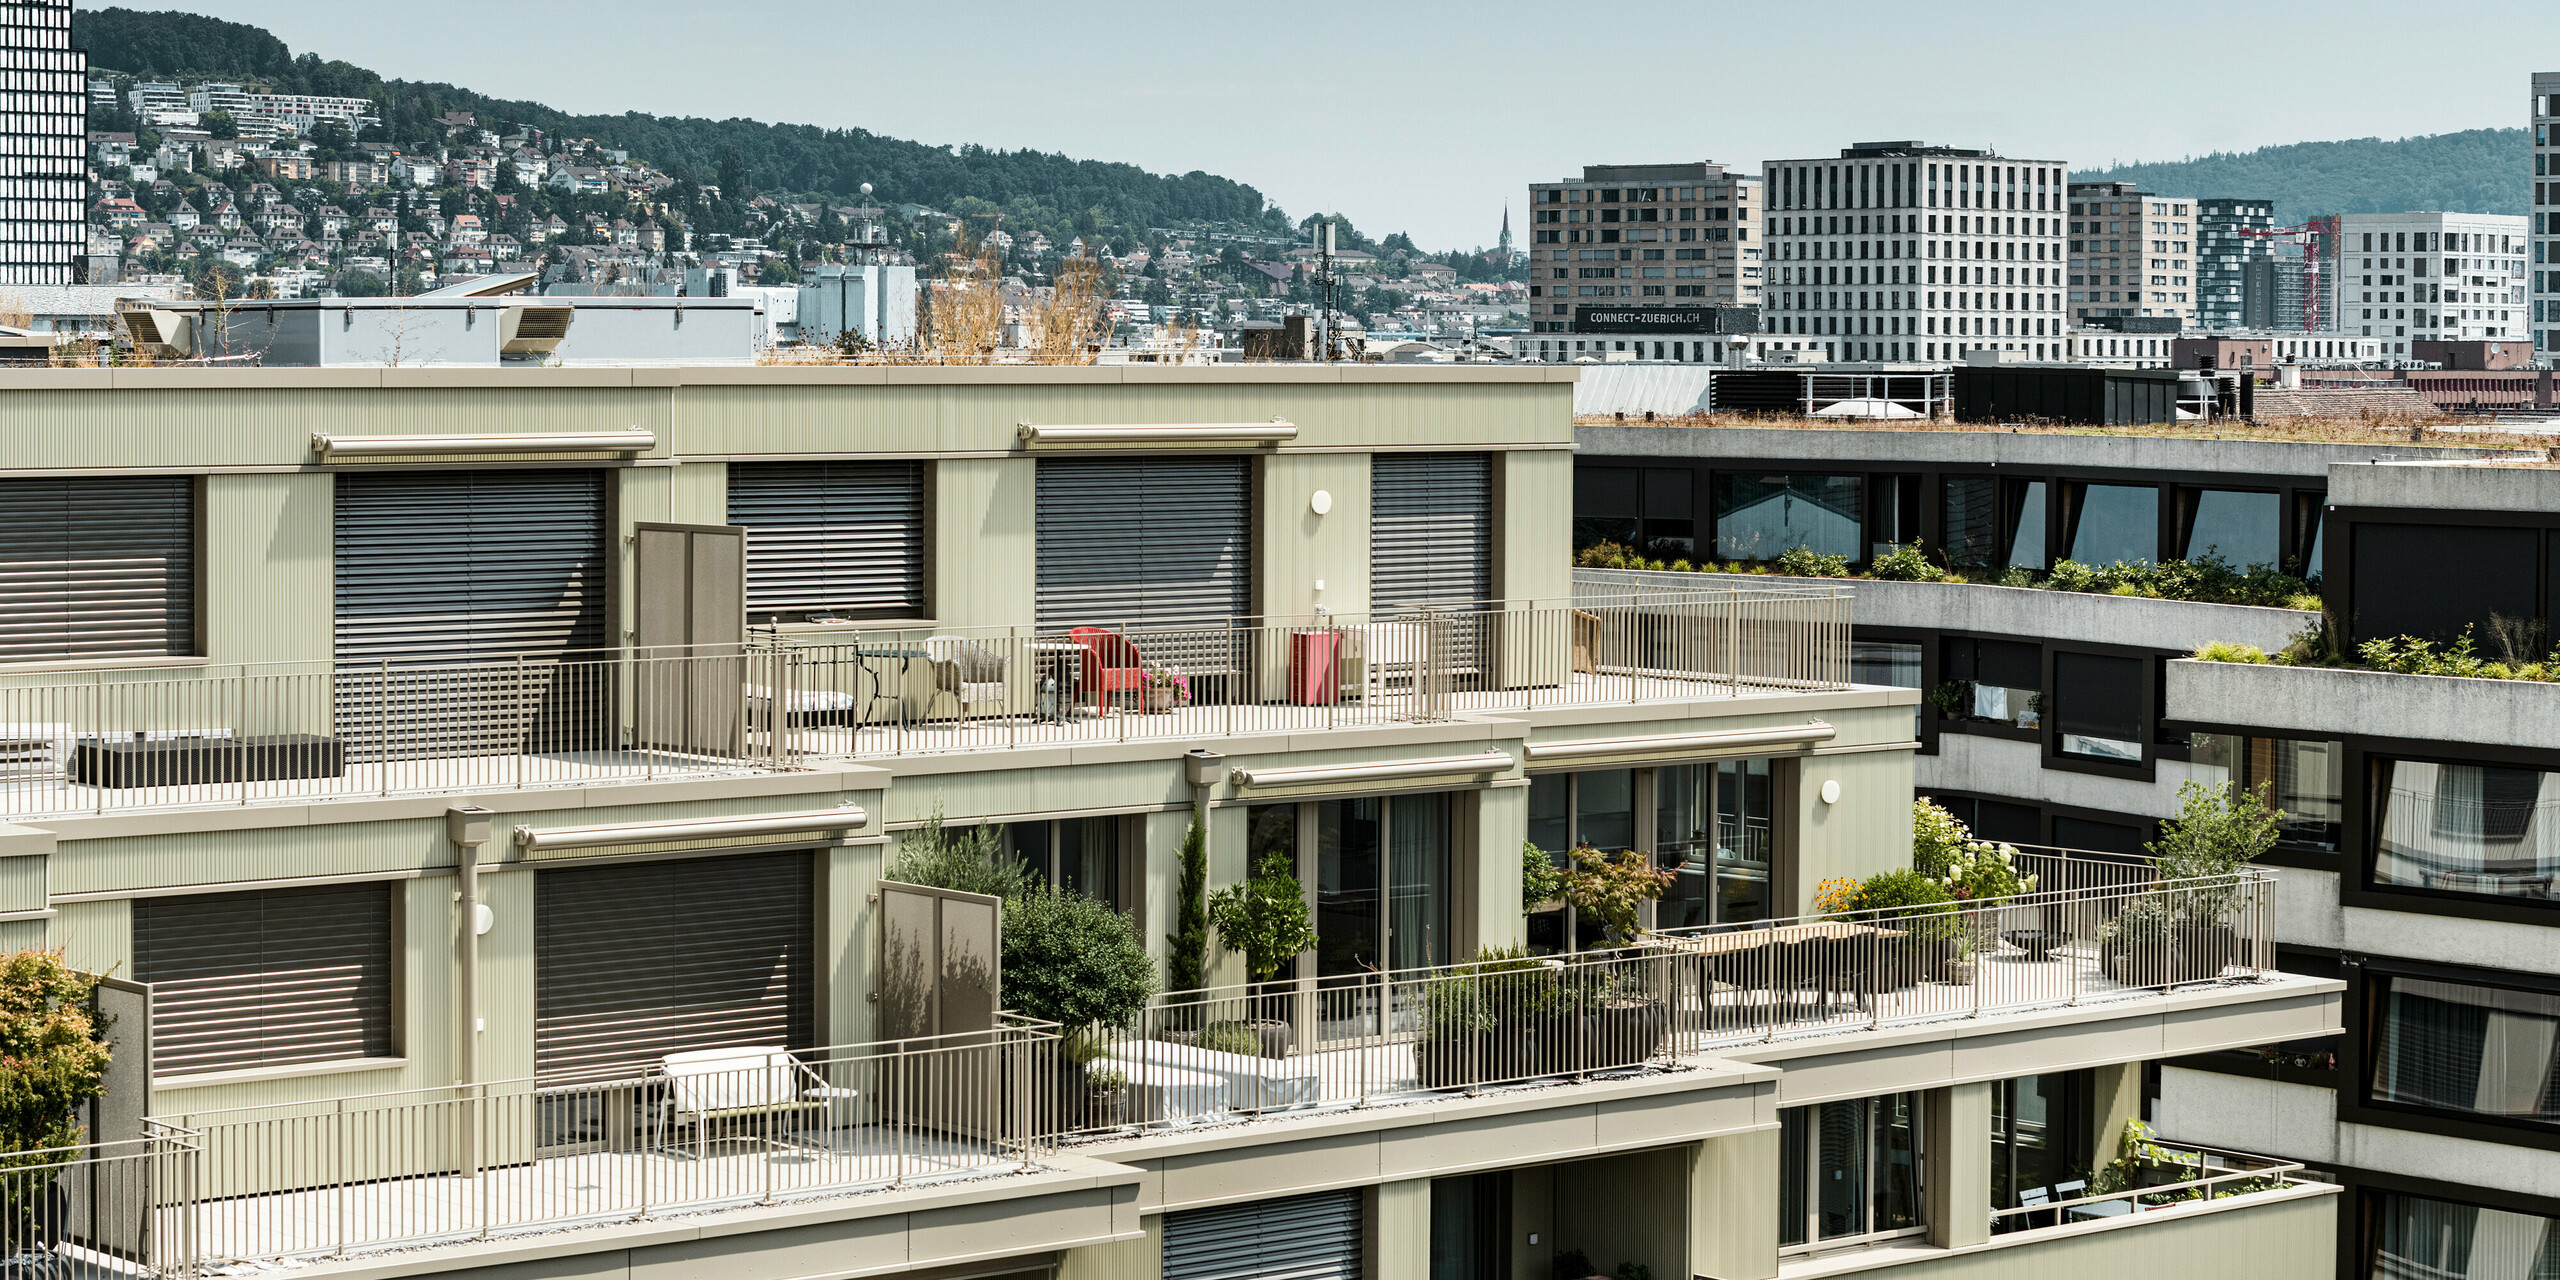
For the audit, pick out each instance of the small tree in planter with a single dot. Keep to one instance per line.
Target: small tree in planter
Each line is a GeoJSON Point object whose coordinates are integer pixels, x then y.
{"type": "Point", "coordinates": [53, 1058]}
{"type": "Point", "coordinates": [2220, 829]}
{"type": "Point", "coordinates": [1187, 963]}
{"type": "Point", "coordinates": [1611, 888]}
{"type": "Point", "coordinates": [1076, 962]}
{"type": "Point", "coordinates": [1266, 919]}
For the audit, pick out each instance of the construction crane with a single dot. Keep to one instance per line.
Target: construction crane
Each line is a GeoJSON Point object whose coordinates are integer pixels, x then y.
{"type": "Point", "coordinates": [2311, 236]}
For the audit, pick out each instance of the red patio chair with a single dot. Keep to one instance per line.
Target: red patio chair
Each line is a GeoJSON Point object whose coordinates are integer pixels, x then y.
{"type": "Point", "coordinates": [1111, 665]}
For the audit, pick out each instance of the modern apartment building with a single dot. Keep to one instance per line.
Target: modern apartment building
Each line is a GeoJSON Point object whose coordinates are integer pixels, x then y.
{"type": "Point", "coordinates": [2545, 216]}
{"type": "Point", "coordinates": [2225, 246]}
{"type": "Point", "coordinates": [481, 785]}
{"type": "Point", "coordinates": [2444, 277]}
{"type": "Point", "coordinates": [2132, 253]}
{"type": "Point", "coordinates": [44, 164]}
{"type": "Point", "coordinates": [1909, 251]}
{"type": "Point", "coordinates": [2410, 854]}
{"type": "Point", "coordinates": [1651, 250]}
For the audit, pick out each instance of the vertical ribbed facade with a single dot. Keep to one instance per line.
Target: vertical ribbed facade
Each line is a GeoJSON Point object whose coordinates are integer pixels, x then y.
{"type": "Point", "coordinates": [43, 132]}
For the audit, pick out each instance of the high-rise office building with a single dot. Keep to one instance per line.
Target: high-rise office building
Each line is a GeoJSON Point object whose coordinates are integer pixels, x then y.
{"type": "Point", "coordinates": [2544, 228]}
{"type": "Point", "coordinates": [2418, 277]}
{"type": "Point", "coordinates": [2131, 251]}
{"type": "Point", "coordinates": [1653, 249]}
{"type": "Point", "coordinates": [43, 168]}
{"type": "Point", "coordinates": [1967, 245]}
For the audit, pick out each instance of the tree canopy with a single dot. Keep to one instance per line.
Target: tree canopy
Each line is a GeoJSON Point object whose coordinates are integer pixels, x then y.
{"type": "Point", "coordinates": [2475, 171]}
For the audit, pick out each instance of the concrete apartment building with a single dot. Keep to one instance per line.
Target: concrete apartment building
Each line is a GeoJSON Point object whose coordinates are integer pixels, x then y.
{"type": "Point", "coordinates": [2132, 254]}
{"type": "Point", "coordinates": [1909, 251]}
{"type": "Point", "coordinates": [2411, 857]}
{"type": "Point", "coordinates": [44, 163]}
{"type": "Point", "coordinates": [480, 781]}
{"type": "Point", "coordinates": [1657, 251]}
{"type": "Point", "coordinates": [2545, 228]}
{"type": "Point", "coordinates": [2443, 277]}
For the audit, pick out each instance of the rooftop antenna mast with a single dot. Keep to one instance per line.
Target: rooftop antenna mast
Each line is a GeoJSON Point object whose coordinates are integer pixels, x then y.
{"type": "Point", "coordinates": [1324, 290]}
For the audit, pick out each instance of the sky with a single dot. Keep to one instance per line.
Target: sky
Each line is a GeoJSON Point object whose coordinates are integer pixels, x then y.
{"type": "Point", "coordinates": [1411, 117]}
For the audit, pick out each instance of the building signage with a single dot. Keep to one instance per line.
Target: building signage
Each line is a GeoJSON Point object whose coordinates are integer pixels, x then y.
{"type": "Point", "coordinates": [1587, 319]}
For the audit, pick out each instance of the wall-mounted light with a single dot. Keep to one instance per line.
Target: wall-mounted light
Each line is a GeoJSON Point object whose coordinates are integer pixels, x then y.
{"type": "Point", "coordinates": [1831, 791]}
{"type": "Point", "coordinates": [1320, 502]}
{"type": "Point", "coordinates": [483, 919]}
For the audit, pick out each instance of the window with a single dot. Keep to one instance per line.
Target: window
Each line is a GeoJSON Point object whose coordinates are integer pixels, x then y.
{"type": "Point", "coordinates": [269, 979]}
{"type": "Point", "coordinates": [1889, 662]}
{"type": "Point", "coordinates": [2465, 828]}
{"type": "Point", "coordinates": [1970, 505]}
{"type": "Point", "coordinates": [2243, 528]}
{"type": "Point", "coordinates": [1712, 833]}
{"type": "Point", "coordinates": [1650, 509]}
{"type": "Point", "coordinates": [2304, 778]}
{"type": "Point", "coordinates": [2113, 522]}
{"type": "Point", "coordinates": [2040, 1138]}
{"type": "Point", "coordinates": [2455, 1046]}
{"type": "Point", "coordinates": [1849, 1172]}
{"type": "Point", "coordinates": [1380, 867]}
{"type": "Point", "coordinates": [2432, 581]}
{"type": "Point", "coordinates": [1992, 682]}
{"type": "Point", "coordinates": [1076, 855]}
{"type": "Point", "coordinates": [1759, 516]}
{"type": "Point", "coordinates": [2025, 511]}
{"type": "Point", "coordinates": [2098, 706]}
{"type": "Point", "coordinates": [2415, 1236]}
{"type": "Point", "coordinates": [842, 539]}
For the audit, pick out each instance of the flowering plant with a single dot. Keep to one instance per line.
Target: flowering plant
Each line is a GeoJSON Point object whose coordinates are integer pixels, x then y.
{"type": "Point", "coordinates": [1981, 871]}
{"type": "Point", "coordinates": [1836, 897]}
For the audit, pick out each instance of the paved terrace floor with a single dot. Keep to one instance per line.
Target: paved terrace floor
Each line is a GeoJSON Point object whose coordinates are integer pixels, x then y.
{"type": "Point", "coordinates": [553, 1193]}
{"type": "Point", "coordinates": [40, 789]}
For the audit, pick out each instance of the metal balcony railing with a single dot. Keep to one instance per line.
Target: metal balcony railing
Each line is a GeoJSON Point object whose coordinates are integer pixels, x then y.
{"type": "Point", "coordinates": [238, 734]}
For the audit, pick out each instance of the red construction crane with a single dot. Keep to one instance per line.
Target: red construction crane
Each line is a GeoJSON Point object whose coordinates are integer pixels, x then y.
{"type": "Point", "coordinates": [2311, 235]}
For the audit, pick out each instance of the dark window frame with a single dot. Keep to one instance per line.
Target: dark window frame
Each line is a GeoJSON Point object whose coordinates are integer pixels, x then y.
{"type": "Point", "coordinates": [2054, 757]}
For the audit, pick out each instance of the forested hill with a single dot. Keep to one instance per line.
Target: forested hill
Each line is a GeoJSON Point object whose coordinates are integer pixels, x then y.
{"type": "Point", "coordinates": [1036, 190]}
{"type": "Point", "coordinates": [2475, 171]}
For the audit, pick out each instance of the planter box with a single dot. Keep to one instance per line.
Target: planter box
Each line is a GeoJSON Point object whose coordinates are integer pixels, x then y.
{"type": "Point", "coordinates": [175, 762]}
{"type": "Point", "coordinates": [2333, 702]}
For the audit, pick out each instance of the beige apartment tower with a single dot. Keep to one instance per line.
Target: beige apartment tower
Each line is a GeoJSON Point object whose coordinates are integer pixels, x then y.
{"type": "Point", "coordinates": [2131, 251]}
{"type": "Point", "coordinates": [1664, 252]}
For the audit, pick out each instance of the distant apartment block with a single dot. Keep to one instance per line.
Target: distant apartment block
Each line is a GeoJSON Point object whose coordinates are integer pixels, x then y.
{"type": "Point", "coordinates": [2431, 277]}
{"type": "Point", "coordinates": [2131, 251]}
{"type": "Point", "coordinates": [1660, 250]}
{"type": "Point", "coordinates": [44, 162]}
{"type": "Point", "coordinates": [298, 110]}
{"type": "Point", "coordinates": [2545, 229]}
{"type": "Point", "coordinates": [2231, 233]}
{"type": "Point", "coordinates": [1908, 251]}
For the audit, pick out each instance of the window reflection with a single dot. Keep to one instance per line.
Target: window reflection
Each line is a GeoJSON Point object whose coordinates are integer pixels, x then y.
{"type": "Point", "coordinates": [1759, 516]}
{"type": "Point", "coordinates": [2242, 528]}
{"type": "Point", "coordinates": [2484, 829]}
{"type": "Point", "coordinates": [2305, 779]}
{"type": "Point", "coordinates": [2452, 1046]}
{"type": "Point", "coordinates": [1893, 663]}
{"type": "Point", "coordinates": [2418, 1238]}
{"type": "Point", "coordinates": [2026, 540]}
{"type": "Point", "coordinates": [1849, 1171]}
{"type": "Point", "coordinates": [2117, 522]}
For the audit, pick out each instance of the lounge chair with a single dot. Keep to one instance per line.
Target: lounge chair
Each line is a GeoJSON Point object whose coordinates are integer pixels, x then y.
{"type": "Point", "coordinates": [707, 1086]}
{"type": "Point", "coordinates": [965, 672]}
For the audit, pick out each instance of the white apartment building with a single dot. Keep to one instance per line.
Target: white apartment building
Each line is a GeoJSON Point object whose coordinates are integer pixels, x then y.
{"type": "Point", "coordinates": [2545, 218]}
{"type": "Point", "coordinates": [1904, 251]}
{"type": "Point", "coordinates": [2131, 251]}
{"type": "Point", "coordinates": [2415, 277]}
{"type": "Point", "coordinates": [1649, 249]}
{"type": "Point", "coordinates": [44, 162]}
{"type": "Point", "coordinates": [299, 111]}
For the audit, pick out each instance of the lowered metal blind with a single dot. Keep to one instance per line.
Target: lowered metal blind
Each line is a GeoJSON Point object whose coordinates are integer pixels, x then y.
{"type": "Point", "coordinates": [1143, 541]}
{"type": "Point", "coordinates": [100, 567]}
{"type": "Point", "coordinates": [266, 979]}
{"type": "Point", "coordinates": [469, 564]}
{"type": "Point", "coordinates": [842, 538]}
{"type": "Point", "coordinates": [1430, 530]}
{"type": "Point", "coordinates": [1298, 1238]}
{"type": "Point", "coordinates": [639, 960]}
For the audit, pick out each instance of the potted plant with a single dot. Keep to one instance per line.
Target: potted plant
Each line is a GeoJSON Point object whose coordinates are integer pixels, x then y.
{"type": "Point", "coordinates": [1981, 877]}
{"type": "Point", "coordinates": [53, 1058]}
{"type": "Point", "coordinates": [1265, 918]}
{"type": "Point", "coordinates": [1915, 913]}
{"type": "Point", "coordinates": [1500, 1016]}
{"type": "Point", "coordinates": [1609, 889]}
{"type": "Point", "coordinates": [1106, 1098]}
{"type": "Point", "coordinates": [1077, 962]}
{"type": "Point", "coordinates": [1164, 689]}
{"type": "Point", "coordinates": [1628, 1020]}
{"type": "Point", "coordinates": [2139, 947]}
{"type": "Point", "coordinates": [2201, 855]}
{"type": "Point", "coordinates": [1959, 971]}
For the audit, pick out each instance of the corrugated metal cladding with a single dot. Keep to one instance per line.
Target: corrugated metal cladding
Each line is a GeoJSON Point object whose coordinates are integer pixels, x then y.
{"type": "Point", "coordinates": [639, 960]}
{"type": "Point", "coordinates": [102, 567]}
{"type": "Point", "coordinates": [478, 564]}
{"type": "Point", "coordinates": [1298, 1238]}
{"type": "Point", "coordinates": [1430, 529]}
{"type": "Point", "coordinates": [266, 979]}
{"type": "Point", "coordinates": [842, 538]}
{"type": "Point", "coordinates": [1142, 541]}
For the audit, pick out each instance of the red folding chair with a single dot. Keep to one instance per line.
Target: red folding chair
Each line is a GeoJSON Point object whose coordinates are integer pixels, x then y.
{"type": "Point", "coordinates": [1111, 665]}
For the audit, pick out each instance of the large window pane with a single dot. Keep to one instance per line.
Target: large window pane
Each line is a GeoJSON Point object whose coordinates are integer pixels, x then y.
{"type": "Point", "coordinates": [1684, 844]}
{"type": "Point", "coordinates": [1971, 506]}
{"type": "Point", "coordinates": [1744, 807]}
{"type": "Point", "coordinates": [1995, 681]}
{"type": "Point", "coordinates": [1794, 1124]}
{"type": "Point", "coordinates": [2026, 538]}
{"type": "Point", "coordinates": [1604, 803]}
{"type": "Point", "coordinates": [2417, 1238]}
{"type": "Point", "coordinates": [2243, 528]}
{"type": "Point", "coordinates": [1897, 1162]}
{"type": "Point", "coordinates": [1347, 885]}
{"type": "Point", "coordinates": [1840, 1172]}
{"type": "Point", "coordinates": [2117, 522]}
{"type": "Point", "coordinates": [2098, 706]}
{"type": "Point", "coordinates": [1551, 813]}
{"type": "Point", "coordinates": [2453, 1046]}
{"type": "Point", "coordinates": [1608, 503]}
{"type": "Point", "coordinates": [2467, 828]}
{"type": "Point", "coordinates": [2039, 1136]}
{"type": "Point", "coordinates": [2431, 581]}
{"type": "Point", "coordinates": [1888, 662]}
{"type": "Point", "coordinates": [1418, 882]}
{"type": "Point", "coordinates": [1670, 513]}
{"type": "Point", "coordinates": [1759, 516]}
{"type": "Point", "coordinates": [1849, 1171]}
{"type": "Point", "coordinates": [2307, 781]}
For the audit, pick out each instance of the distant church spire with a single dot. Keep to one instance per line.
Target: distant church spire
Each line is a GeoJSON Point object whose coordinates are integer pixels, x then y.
{"type": "Point", "coordinates": [1505, 243]}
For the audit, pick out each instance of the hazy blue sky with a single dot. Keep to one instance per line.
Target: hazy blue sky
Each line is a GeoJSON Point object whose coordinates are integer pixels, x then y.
{"type": "Point", "coordinates": [1407, 116]}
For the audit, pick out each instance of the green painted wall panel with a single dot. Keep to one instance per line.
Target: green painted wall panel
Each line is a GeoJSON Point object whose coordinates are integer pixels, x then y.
{"type": "Point", "coordinates": [277, 532]}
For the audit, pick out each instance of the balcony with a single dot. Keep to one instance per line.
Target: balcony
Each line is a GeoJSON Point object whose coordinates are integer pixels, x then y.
{"type": "Point", "coordinates": [120, 741]}
{"type": "Point", "coordinates": [365, 1175]}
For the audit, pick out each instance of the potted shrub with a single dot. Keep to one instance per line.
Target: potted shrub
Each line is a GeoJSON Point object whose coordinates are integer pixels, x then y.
{"type": "Point", "coordinates": [1628, 1020]}
{"type": "Point", "coordinates": [1905, 902]}
{"type": "Point", "coordinates": [53, 1058]}
{"type": "Point", "coordinates": [1265, 918]}
{"type": "Point", "coordinates": [1981, 877]}
{"type": "Point", "coordinates": [1106, 1098]}
{"type": "Point", "coordinates": [1502, 1016]}
{"type": "Point", "coordinates": [2202, 853]}
{"type": "Point", "coordinates": [2139, 946]}
{"type": "Point", "coordinates": [1609, 889]}
{"type": "Point", "coordinates": [1074, 961]}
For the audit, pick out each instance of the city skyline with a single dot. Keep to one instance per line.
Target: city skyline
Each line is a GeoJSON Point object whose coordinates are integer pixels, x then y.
{"type": "Point", "coordinates": [1149, 87]}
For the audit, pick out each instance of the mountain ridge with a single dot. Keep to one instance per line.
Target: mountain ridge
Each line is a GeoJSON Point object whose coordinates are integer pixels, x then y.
{"type": "Point", "coordinates": [2471, 171]}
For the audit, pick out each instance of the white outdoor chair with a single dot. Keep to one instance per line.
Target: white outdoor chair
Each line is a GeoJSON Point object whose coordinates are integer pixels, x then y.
{"type": "Point", "coordinates": [707, 1086]}
{"type": "Point", "coordinates": [968, 674]}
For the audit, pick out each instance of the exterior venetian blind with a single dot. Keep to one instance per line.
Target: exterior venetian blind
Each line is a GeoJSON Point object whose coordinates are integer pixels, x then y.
{"type": "Point", "coordinates": [639, 960]}
{"type": "Point", "coordinates": [1143, 542]}
{"type": "Point", "coordinates": [469, 564]}
{"type": "Point", "coordinates": [1296, 1238]}
{"type": "Point", "coordinates": [839, 538]}
{"type": "Point", "coordinates": [97, 567]}
{"type": "Point", "coordinates": [241, 980]}
{"type": "Point", "coordinates": [1430, 530]}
